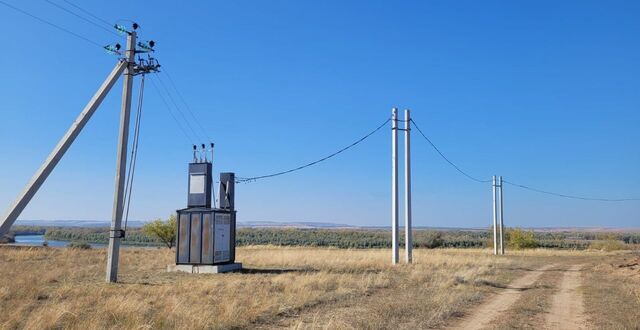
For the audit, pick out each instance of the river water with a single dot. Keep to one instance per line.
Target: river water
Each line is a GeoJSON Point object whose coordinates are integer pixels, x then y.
{"type": "Point", "coordinates": [38, 240]}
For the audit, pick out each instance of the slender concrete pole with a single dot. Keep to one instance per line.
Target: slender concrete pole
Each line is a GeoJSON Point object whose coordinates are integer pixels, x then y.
{"type": "Point", "coordinates": [408, 232]}
{"type": "Point", "coordinates": [495, 218]}
{"type": "Point", "coordinates": [394, 186]}
{"type": "Point", "coordinates": [58, 152]}
{"type": "Point", "coordinates": [116, 234]}
{"type": "Point", "coordinates": [501, 217]}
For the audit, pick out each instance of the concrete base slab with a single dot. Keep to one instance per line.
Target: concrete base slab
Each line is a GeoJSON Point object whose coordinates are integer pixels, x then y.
{"type": "Point", "coordinates": [205, 269]}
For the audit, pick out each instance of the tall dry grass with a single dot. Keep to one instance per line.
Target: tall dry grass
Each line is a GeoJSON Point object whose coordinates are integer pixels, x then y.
{"type": "Point", "coordinates": [301, 287]}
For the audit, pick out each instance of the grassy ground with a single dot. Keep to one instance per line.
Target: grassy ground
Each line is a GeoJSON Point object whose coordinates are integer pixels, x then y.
{"type": "Point", "coordinates": [290, 288]}
{"type": "Point", "coordinates": [612, 292]}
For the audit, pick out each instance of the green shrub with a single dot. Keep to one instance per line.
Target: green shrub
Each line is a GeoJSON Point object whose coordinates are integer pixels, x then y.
{"type": "Point", "coordinates": [79, 245]}
{"type": "Point", "coordinates": [164, 231]}
{"type": "Point", "coordinates": [519, 239]}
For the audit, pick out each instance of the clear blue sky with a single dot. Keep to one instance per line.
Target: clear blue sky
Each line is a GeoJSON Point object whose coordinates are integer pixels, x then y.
{"type": "Point", "coordinates": [544, 93]}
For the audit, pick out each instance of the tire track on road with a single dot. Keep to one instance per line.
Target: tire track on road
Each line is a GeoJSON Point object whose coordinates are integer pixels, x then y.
{"type": "Point", "coordinates": [567, 307]}
{"type": "Point", "coordinates": [496, 304]}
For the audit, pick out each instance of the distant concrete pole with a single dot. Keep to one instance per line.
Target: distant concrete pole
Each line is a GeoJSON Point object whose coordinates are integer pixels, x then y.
{"type": "Point", "coordinates": [495, 218]}
{"type": "Point", "coordinates": [501, 217]}
{"type": "Point", "coordinates": [116, 234]}
{"type": "Point", "coordinates": [408, 232]}
{"type": "Point", "coordinates": [394, 186]}
{"type": "Point", "coordinates": [58, 152]}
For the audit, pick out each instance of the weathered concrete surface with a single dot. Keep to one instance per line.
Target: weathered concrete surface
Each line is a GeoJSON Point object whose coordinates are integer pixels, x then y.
{"type": "Point", "coordinates": [205, 269]}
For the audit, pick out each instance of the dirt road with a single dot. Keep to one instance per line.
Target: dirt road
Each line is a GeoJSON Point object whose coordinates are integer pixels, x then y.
{"type": "Point", "coordinates": [567, 309]}
{"type": "Point", "coordinates": [495, 305]}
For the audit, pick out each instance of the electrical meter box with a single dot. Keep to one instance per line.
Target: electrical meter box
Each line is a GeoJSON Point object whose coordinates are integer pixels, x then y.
{"type": "Point", "coordinates": [206, 236]}
{"type": "Point", "coordinates": [227, 191]}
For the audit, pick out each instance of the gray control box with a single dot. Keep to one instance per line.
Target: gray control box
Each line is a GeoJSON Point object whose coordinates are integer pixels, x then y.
{"type": "Point", "coordinates": [200, 183]}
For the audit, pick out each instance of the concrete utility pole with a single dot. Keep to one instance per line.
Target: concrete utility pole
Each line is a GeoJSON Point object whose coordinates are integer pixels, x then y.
{"type": "Point", "coordinates": [61, 148]}
{"type": "Point", "coordinates": [495, 218]}
{"type": "Point", "coordinates": [116, 234]}
{"type": "Point", "coordinates": [501, 217]}
{"type": "Point", "coordinates": [408, 232]}
{"type": "Point", "coordinates": [394, 186]}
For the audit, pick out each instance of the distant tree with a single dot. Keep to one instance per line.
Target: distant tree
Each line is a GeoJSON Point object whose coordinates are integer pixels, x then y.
{"type": "Point", "coordinates": [164, 231]}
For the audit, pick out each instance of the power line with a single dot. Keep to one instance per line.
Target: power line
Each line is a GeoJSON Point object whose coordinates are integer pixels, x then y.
{"type": "Point", "coordinates": [445, 157]}
{"type": "Point", "coordinates": [82, 17]}
{"type": "Point", "coordinates": [240, 179]}
{"type": "Point", "coordinates": [89, 13]}
{"type": "Point", "coordinates": [571, 196]}
{"type": "Point", "coordinates": [184, 132]}
{"type": "Point", "coordinates": [519, 185]}
{"type": "Point", "coordinates": [175, 104]}
{"type": "Point", "coordinates": [51, 24]}
{"type": "Point", "coordinates": [128, 188]}
{"type": "Point", "coordinates": [204, 131]}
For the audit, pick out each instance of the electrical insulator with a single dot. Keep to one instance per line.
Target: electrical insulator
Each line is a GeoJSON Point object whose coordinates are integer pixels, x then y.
{"type": "Point", "coordinates": [112, 49]}
{"type": "Point", "coordinates": [121, 29]}
{"type": "Point", "coordinates": [145, 46]}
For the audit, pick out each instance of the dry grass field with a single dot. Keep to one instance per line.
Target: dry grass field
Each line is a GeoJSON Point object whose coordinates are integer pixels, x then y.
{"type": "Point", "coordinates": [44, 288]}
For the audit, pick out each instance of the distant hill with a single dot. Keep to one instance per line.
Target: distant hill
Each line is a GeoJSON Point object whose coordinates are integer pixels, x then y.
{"type": "Point", "coordinates": [137, 224]}
{"type": "Point", "coordinates": [73, 223]}
{"type": "Point", "coordinates": [276, 224]}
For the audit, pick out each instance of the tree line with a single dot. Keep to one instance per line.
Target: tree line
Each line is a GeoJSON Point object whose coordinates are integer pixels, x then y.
{"type": "Point", "coordinates": [154, 234]}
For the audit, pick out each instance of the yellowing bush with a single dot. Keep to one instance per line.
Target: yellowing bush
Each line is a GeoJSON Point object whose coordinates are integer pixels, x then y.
{"type": "Point", "coordinates": [519, 239]}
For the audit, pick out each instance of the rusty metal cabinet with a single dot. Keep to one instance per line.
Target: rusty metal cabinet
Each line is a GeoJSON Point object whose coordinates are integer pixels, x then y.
{"type": "Point", "coordinates": [206, 236]}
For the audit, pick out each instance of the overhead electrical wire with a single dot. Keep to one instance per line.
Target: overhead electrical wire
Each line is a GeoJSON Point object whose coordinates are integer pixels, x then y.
{"type": "Point", "coordinates": [175, 88]}
{"type": "Point", "coordinates": [241, 180]}
{"type": "Point", "coordinates": [178, 108]}
{"type": "Point", "coordinates": [571, 196]}
{"type": "Point", "coordinates": [83, 18]}
{"type": "Point", "coordinates": [128, 188]}
{"type": "Point", "coordinates": [517, 184]}
{"type": "Point", "coordinates": [168, 108]}
{"type": "Point", "coordinates": [89, 13]}
{"type": "Point", "coordinates": [445, 157]}
{"type": "Point", "coordinates": [51, 24]}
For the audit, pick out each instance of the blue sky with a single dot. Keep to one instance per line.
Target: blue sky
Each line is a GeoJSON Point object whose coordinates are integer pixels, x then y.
{"type": "Point", "coordinates": [544, 93]}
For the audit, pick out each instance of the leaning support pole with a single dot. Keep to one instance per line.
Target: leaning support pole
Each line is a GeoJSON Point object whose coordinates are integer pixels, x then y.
{"type": "Point", "coordinates": [394, 186]}
{"type": "Point", "coordinates": [116, 234]}
{"type": "Point", "coordinates": [501, 216]}
{"type": "Point", "coordinates": [58, 152]}
{"type": "Point", "coordinates": [408, 232]}
{"type": "Point", "coordinates": [495, 218]}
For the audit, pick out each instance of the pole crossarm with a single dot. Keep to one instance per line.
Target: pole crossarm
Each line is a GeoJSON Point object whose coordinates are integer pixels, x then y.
{"type": "Point", "coordinates": [61, 148]}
